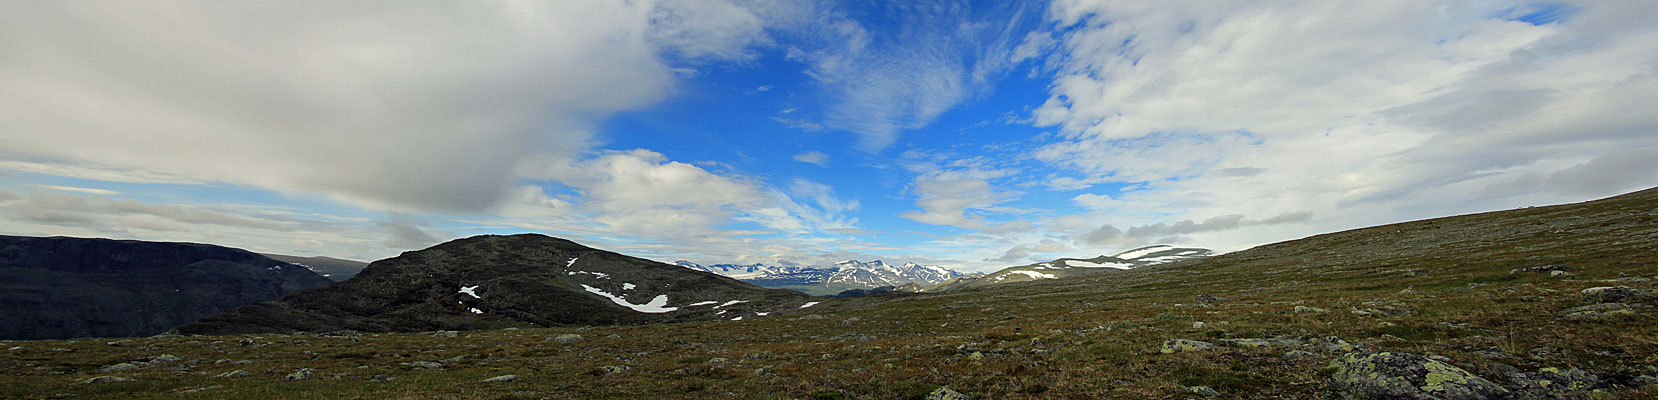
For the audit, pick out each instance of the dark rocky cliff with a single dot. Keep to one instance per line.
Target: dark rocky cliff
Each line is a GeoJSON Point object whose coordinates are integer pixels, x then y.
{"type": "Point", "coordinates": [63, 287]}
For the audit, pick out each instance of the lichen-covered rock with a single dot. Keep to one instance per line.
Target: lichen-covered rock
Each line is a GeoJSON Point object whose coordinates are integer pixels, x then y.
{"type": "Point", "coordinates": [1618, 294]}
{"type": "Point", "coordinates": [300, 375]}
{"type": "Point", "coordinates": [1555, 383]}
{"type": "Point", "coordinates": [120, 367]}
{"type": "Point", "coordinates": [945, 393]}
{"type": "Point", "coordinates": [106, 379]}
{"type": "Point", "coordinates": [1247, 343]}
{"type": "Point", "coordinates": [1180, 345]}
{"type": "Point", "coordinates": [1310, 310]}
{"type": "Point", "coordinates": [1332, 344]}
{"type": "Point", "coordinates": [1404, 376]}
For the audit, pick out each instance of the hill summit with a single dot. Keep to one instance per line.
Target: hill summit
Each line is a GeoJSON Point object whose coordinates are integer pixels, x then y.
{"type": "Point", "coordinates": [490, 281]}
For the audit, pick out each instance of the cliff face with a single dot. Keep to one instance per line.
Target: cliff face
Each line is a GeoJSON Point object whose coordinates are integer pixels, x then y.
{"type": "Point", "coordinates": [62, 287]}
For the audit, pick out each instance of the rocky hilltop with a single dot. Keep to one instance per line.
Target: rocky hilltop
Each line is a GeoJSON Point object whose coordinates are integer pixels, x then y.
{"type": "Point", "coordinates": [64, 287]}
{"type": "Point", "coordinates": [487, 282]}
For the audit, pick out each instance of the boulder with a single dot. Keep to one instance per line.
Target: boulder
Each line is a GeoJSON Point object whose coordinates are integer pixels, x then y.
{"type": "Point", "coordinates": [106, 379]}
{"type": "Point", "coordinates": [1405, 376]}
{"type": "Point", "coordinates": [1183, 345]}
{"type": "Point", "coordinates": [1618, 294]}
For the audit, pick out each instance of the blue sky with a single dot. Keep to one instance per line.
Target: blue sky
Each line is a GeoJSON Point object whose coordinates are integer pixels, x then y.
{"type": "Point", "coordinates": [973, 135]}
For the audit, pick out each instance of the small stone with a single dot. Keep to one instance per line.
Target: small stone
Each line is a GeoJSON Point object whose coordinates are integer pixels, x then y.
{"type": "Point", "coordinates": [164, 358]}
{"type": "Point", "coordinates": [455, 359]}
{"type": "Point", "coordinates": [15, 348]}
{"type": "Point", "coordinates": [426, 365]}
{"type": "Point", "coordinates": [300, 375]}
{"type": "Point", "coordinates": [1204, 391]}
{"type": "Point", "coordinates": [1310, 310]}
{"type": "Point", "coordinates": [567, 338]}
{"type": "Point", "coordinates": [381, 378]}
{"type": "Point", "coordinates": [106, 379]}
{"type": "Point", "coordinates": [1408, 291]}
{"type": "Point", "coordinates": [120, 367]}
{"type": "Point", "coordinates": [1557, 273]}
{"type": "Point", "coordinates": [611, 369]}
{"type": "Point", "coordinates": [502, 378]}
{"type": "Point", "coordinates": [234, 374]}
{"type": "Point", "coordinates": [944, 393]}
{"type": "Point", "coordinates": [1197, 325]}
{"type": "Point", "coordinates": [975, 356]}
{"type": "Point", "coordinates": [445, 334]}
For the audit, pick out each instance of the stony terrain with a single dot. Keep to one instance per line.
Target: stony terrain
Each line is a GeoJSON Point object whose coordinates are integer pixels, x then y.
{"type": "Point", "coordinates": [63, 287]}
{"type": "Point", "coordinates": [1545, 302]}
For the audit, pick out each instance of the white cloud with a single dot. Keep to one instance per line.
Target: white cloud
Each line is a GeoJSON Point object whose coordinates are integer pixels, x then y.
{"type": "Point", "coordinates": [934, 58]}
{"type": "Point", "coordinates": [957, 197]}
{"type": "Point", "coordinates": [1358, 112]}
{"type": "Point", "coordinates": [647, 203]}
{"type": "Point", "coordinates": [422, 107]}
{"type": "Point", "coordinates": [813, 157]}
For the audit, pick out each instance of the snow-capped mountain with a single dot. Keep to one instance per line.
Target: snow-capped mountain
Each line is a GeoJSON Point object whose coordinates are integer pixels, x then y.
{"type": "Point", "coordinates": [849, 274]}
{"type": "Point", "coordinates": [1060, 268]}
{"type": "Point", "coordinates": [877, 274]}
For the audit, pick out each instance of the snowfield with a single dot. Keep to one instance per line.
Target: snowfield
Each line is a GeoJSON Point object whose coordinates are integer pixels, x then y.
{"type": "Point", "coordinates": [1086, 264]}
{"type": "Point", "coordinates": [657, 305]}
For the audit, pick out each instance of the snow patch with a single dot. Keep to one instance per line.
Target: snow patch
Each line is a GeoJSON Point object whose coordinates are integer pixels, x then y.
{"type": "Point", "coordinates": [761, 314]}
{"type": "Point", "coordinates": [737, 319]}
{"type": "Point", "coordinates": [657, 305]}
{"type": "Point", "coordinates": [628, 286]}
{"type": "Point", "coordinates": [475, 311]}
{"type": "Point", "coordinates": [470, 291]}
{"type": "Point", "coordinates": [1033, 274]}
{"type": "Point", "coordinates": [571, 263]}
{"type": "Point", "coordinates": [701, 303]}
{"type": "Point", "coordinates": [1137, 253]}
{"type": "Point", "coordinates": [808, 304]}
{"type": "Point", "coordinates": [1086, 264]}
{"type": "Point", "coordinates": [601, 275]}
{"type": "Point", "coordinates": [730, 303]}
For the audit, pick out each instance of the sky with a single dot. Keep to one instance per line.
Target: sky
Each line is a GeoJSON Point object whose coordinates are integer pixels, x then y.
{"type": "Point", "coordinates": [972, 135]}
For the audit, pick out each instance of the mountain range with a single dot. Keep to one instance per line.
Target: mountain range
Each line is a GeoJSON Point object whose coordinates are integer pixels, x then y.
{"type": "Point", "coordinates": [844, 275]}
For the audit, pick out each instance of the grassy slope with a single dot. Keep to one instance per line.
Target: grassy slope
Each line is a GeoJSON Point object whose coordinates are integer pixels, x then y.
{"type": "Point", "coordinates": [1088, 337]}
